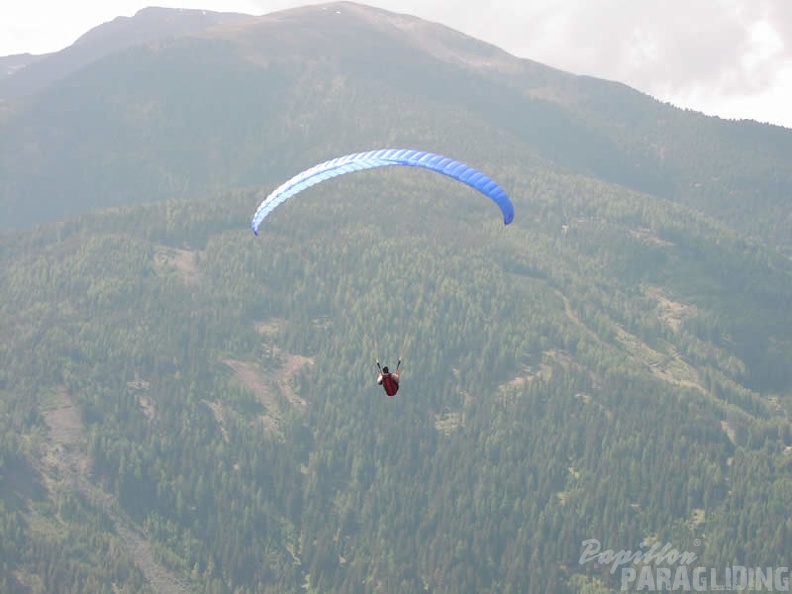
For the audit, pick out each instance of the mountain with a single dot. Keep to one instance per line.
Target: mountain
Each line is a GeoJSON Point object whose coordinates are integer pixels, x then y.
{"type": "Point", "coordinates": [193, 114]}
{"type": "Point", "coordinates": [9, 65]}
{"type": "Point", "coordinates": [35, 73]}
{"type": "Point", "coordinates": [186, 407]}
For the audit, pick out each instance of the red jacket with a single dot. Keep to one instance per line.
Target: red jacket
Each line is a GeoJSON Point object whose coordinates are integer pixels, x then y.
{"type": "Point", "coordinates": [389, 381]}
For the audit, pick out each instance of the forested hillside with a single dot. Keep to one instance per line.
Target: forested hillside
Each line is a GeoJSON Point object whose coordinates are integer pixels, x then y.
{"type": "Point", "coordinates": [187, 407]}
{"type": "Point", "coordinates": [25, 74]}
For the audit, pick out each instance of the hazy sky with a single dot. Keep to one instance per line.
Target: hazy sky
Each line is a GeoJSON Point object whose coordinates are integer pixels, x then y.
{"type": "Point", "coordinates": [731, 58]}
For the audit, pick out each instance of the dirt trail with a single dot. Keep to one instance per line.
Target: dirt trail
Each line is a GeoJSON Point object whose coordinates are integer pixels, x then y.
{"type": "Point", "coordinates": [66, 460]}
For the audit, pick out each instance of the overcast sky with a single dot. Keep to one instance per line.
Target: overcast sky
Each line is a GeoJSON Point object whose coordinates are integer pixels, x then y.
{"type": "Point", "coordinates": [731, 58]}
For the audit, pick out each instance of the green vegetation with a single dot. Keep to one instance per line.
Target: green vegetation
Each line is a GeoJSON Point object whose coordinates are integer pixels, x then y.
{"type": "Point", "coordinates": [187, 407]}
{"type": "Point", "coordinates": [249, 104]}
{"type": "Point", "coordinates": [208, 396]}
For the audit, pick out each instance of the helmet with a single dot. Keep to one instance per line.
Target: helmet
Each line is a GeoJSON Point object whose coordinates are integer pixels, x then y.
{"type": "Point", "coordinates": [385, 369]}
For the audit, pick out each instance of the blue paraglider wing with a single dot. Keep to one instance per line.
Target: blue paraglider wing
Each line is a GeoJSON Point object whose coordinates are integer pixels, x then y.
{"type": "Point", "coordinates": [385, 158]}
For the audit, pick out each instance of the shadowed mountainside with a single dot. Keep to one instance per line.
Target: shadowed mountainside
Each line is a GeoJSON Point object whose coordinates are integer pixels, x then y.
{"type": "Point", "coordinates": [252, 99]}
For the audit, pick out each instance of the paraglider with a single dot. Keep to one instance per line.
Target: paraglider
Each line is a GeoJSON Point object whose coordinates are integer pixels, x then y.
{"type": "Point", "coordinates": [384, 158]}
{"type": "Point", "coordinates": [388, 380]}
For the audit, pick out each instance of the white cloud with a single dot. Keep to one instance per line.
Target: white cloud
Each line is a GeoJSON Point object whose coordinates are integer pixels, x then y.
{"type": "Point", "coordinates": [42, 26]}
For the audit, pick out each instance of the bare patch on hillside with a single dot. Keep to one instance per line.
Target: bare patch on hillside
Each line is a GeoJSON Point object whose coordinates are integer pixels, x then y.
{"type": "Point", "coordinates": [63, 419]}
{"type": "Point", "coordinates": [271, 328]}
{"type": "Point", "coordinates": [588, 400]}
{"type": "Point", "coordinates": [728, 429]}
{"type": "Point", "coordinates": [148, 407]}
{"type": "Point", "coordinates": [141, 387]}
{"type": "Point", "coordinates": [668, 366]}
{"type": "Point", "coordinates": [649, 237]}
{"type": "Point", "coordinates": [531, 374]}
{"type": "Point", "coordinates": [220, 416]}
{"type": "Point", "coordinates": [182, 263]}
{"type": "Point", "coordinates": [265, 383]}
{"type": "Point", "coordinates": [273, 388]}
{"type": "Point", "coordinates": [669, 311]}
{"type": "Point", "coordinates": [561, 357]}
{"type": "Point", "coordinates": [448, 422]}
{"type": "Point", "coordinates": [575, 319]}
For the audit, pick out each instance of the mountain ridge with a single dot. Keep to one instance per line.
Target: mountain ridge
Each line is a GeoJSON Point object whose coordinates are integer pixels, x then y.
{"type": "Point", "coordinates": [148, 24]}
{"type": "Point", "coordinates": [571, 376]}
{"type": "Point", "coordinates": [185, 406]}
{"type": "Point", "coordinates": [597, 128]}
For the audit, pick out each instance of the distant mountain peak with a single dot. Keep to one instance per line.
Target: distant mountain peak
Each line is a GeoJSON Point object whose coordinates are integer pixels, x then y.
{"type": "Point", "coordinates": [154, 22]}
{"type": "Point", "coordinates": [147, 25]}
{"type": "Point", "coordinates": [285, 79]}
{"type": "Point", "coordinates": [434, 39]}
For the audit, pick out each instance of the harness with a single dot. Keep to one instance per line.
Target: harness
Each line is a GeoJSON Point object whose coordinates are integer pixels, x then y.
{"type": "Point", "coordinates": [391, 385]}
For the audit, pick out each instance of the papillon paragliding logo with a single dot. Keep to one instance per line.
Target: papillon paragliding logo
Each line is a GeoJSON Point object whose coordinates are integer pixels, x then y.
{"type": "Point", "coordinates": [664, 568]}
